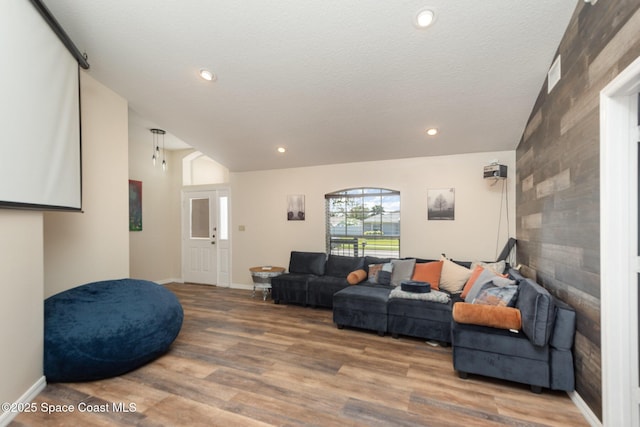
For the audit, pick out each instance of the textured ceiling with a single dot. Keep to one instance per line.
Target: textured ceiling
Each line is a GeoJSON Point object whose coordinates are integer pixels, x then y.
{"type": "Point", "coordinates": [331, 80]}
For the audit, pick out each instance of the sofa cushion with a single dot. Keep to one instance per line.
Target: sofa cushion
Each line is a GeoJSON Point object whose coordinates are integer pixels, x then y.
{"type": "Point", "coordinates": [434, 296]}
{"type": "Point", "coordinates": [289, 288]}
{"type": "Point", "coordinates": [472, 279]}
{"type": "Point", "coordinates": [320, 290]}
{"type": "Point", "coordinates": [341, 266]}
{"type": "Point", "coordinates": [307, 263]}
{"type": "Point", "coordinates": [515, 275]}
{"type": "Point", "coordinates": [362, 298]}
{"type": "Point", "coordinates": [402, 270]}
{"type": "Point", "coordinates": [356, 277]}
{"type": "Point", "coordinates": [487, 315]}
{"type": "Point", "coordinates": [384, 277]}
{"type": "Point", "coordinates": [537, 309]}
{"type": "Point", "coordinates": [503, 296]}
{"type": "Point", "coordinates": [420, 309]}
{"type": "Point", "coordinates": [497, 267]}
{"type": "Point", "coordinates": [485, 277]}
{"type": "Point", "coordinates": [373, 260]}
{"type": "Point", "coordinates": [564, 327]}
{"type": "Point", "coordinates": [497, 341]}
{"type": "Point", "coordinates": [428, 272]}
{"type": "Point", "coordinates": [453, 276]}
{"type": "Point", "coordinates": [380, 273]}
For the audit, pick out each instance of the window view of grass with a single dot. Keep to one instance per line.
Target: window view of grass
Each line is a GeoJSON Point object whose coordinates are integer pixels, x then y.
{"type": "Point", "coordinates": [363, 221]}
{"type": "Point", "coordinates": [367, 244]}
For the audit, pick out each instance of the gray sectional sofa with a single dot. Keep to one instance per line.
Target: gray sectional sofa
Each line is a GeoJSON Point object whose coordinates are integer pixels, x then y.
{"type": "Point", "coordinates": [539, 354]}
{"type": "Point", "coordinates": [313, 278]}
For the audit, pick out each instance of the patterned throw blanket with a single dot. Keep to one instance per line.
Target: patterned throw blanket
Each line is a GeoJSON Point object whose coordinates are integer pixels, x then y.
{"type": "Point", "coordinates": [434, 296]}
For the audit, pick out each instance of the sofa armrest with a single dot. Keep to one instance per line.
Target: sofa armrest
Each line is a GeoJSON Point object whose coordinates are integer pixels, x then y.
{"type": "Point", "coordinates": [538, 311]}
{"type": "Point", "coordinates": [564, 328]}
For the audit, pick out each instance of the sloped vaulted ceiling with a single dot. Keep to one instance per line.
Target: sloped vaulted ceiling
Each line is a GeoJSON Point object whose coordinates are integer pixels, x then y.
{"type": "Point", "coordinates": [331, 80]}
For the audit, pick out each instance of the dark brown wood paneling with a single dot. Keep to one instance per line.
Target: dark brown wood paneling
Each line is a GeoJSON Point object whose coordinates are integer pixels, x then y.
{"type": "Point", "coordinates": [558, 206]}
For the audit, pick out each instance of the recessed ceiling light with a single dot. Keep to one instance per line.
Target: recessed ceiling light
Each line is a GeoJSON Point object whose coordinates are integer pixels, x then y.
{"type": "Point", "coordinates": [432, 131]}
{"type": "Point", "coordinates": [281, 149]}
{"type": "Point", "coordinates": [207, 75]}
{"type": "Point", "coordinates": [424, 18]}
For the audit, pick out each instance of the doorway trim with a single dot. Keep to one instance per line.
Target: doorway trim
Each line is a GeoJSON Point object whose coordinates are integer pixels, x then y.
{"type": "Point", "coordinates": [223, 261]}
{"type": "Point", "coordinates": [618, 247]}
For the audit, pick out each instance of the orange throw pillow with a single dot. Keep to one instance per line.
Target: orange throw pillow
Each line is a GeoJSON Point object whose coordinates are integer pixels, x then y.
{"type": "Point", "coordinates": [472, 279]}
{"type": "Point", "coordinates": [428, 272]}
{"type": "Point", "coordinates": [356, 277]}
{"type": "Point", "coordinates": [487, 315]}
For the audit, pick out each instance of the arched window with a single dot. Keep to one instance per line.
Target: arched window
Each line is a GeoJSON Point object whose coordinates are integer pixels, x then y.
{"type": "Point", "coordinates": [363, 221]}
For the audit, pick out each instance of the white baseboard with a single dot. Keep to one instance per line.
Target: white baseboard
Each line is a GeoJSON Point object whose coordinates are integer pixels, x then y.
{"type": "Point", "coordinates": [232, 285]}
{"type": "Point", "coordinates": [167, 281]}
{"type": "Point", "coordinates": [28, 396]}
{"type": "Point", "coordinates": [588, 414]}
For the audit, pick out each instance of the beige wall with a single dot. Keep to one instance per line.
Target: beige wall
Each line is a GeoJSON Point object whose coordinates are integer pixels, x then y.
{"type": "Point", "coordinates": [155, 251]}
{"type": "Point", "coordinates": [21, 305]}
{"type": "Point", "coordinates": [202, 170]}
{"type": "Point", "coordinates": [93, 245]}
{"type": "Point", "coordinates": [259, 205]}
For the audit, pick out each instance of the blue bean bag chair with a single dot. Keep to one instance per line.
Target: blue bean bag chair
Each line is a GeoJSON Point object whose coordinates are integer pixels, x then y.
{"type": "Point", "coordinates": [104, 329]}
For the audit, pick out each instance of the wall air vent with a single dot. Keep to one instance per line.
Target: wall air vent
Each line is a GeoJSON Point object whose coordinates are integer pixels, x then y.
{"type": "Point", "coordinates": [554, 74]}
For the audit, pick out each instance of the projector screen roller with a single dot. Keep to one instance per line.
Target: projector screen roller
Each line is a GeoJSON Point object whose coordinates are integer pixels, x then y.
{"type": "Point", "coordinates": [40, 159]}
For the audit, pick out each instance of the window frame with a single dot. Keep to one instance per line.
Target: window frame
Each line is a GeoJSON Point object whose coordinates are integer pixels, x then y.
{"type": "Point", "coordinates": [369, 231]}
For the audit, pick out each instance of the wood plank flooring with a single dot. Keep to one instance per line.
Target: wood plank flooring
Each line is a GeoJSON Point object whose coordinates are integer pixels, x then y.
{"type": "Point", "coordinates": [241, 361]}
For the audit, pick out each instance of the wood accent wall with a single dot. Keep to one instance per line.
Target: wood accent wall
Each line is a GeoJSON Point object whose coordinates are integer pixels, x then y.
{"type": "Point", "coordinates": [558, 184]}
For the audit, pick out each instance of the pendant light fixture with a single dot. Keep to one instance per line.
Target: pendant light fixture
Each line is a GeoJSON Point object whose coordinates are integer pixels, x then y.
{"type": "Point", "coordinates": [157, 134]}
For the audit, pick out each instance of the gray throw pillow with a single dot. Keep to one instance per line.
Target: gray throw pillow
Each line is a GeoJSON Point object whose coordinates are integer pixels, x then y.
{"type": "Point", "coordinates": [402, 270]}
{"type": "Point", "coordinates": [485, 277]}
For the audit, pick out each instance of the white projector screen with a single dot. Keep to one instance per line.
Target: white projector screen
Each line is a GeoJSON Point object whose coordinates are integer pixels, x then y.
{"type": "Point", "coordinates": [40, 161]}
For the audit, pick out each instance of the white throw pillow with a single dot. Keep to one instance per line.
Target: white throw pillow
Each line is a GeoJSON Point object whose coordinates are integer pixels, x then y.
{"type": "Point", "coordinates": [497, 267]}
{"type": "Point", "coordinates": [453, 277]}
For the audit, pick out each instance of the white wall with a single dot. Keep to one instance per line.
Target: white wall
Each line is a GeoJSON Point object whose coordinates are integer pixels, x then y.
{"type": "Point", "coordinates": [21, 305]}
{"type": "Point", "coordinates": [155, 251]}
{"type": "Point", "coordinates": [93, 245]}
{"type": "Point", "coordinates": [199, 169]}
{"type": "Point", "coordinates": [259, 205]}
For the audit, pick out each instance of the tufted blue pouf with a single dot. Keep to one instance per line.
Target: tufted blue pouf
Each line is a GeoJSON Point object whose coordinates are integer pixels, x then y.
{"type": "Point", "coordinates": [104, 329]}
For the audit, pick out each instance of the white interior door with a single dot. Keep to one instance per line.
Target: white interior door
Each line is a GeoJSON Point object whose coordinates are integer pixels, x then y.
{"type": "Point", "coordinates": [199, 237]}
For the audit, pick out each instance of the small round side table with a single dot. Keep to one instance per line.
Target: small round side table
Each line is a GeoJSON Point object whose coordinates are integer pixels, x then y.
{"type": "Point", "coordinates": [262, 278]}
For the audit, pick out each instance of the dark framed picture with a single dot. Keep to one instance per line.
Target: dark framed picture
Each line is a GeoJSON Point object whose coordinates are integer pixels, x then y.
{"type": "Point", "coordinates": [295, 207]}
{"type": "Point", "coordinates": [135, 205]}
{"type": "Point", "coordinates": [441, 204]}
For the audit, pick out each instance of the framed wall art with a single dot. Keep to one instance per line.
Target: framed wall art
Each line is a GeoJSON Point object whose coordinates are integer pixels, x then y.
{"type": "Point", "coordinates": [441, 204]}
{"type": "Point", "coordinates": [135, 205]}
{"type": "Point", "coordinates": [295, 207]}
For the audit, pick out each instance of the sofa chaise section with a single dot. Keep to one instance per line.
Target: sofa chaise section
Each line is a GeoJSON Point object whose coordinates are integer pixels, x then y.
{"type": "Point", "coordinates": [362, 307]}
{"type": "Point", "coordinates": [539, 354]}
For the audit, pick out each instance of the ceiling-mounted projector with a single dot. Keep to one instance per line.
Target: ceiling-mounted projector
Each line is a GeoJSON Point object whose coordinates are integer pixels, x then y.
{"type": "Point", "coordinates": [495, 170]}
